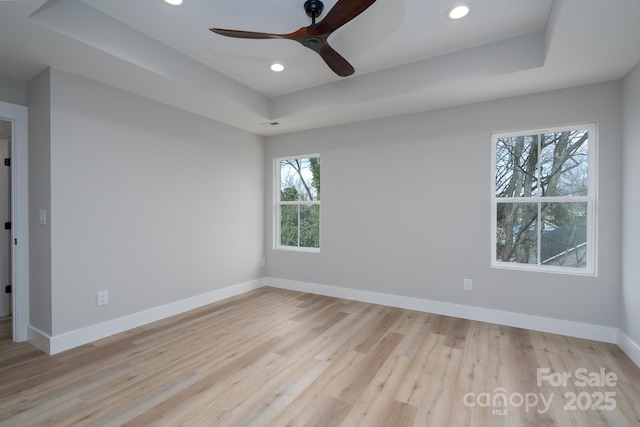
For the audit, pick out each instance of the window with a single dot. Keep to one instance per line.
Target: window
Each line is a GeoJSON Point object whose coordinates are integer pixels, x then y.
{"type": "Point", "coordinates": [544, 200]}
{"type": "Point", "coordinates": [297, 219]}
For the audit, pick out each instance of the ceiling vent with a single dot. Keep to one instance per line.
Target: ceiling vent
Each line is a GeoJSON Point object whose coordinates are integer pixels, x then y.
{"type": "Point", "coordinates": [269, 124]}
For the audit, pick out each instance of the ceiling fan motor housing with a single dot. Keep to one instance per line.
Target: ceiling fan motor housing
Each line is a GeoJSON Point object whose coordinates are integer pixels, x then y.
{"type": "Point", "coordinates": [313, 8]}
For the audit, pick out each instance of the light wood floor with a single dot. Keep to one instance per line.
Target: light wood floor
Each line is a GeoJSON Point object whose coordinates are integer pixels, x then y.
{"type": "Point", "coordinates": [279, 358]}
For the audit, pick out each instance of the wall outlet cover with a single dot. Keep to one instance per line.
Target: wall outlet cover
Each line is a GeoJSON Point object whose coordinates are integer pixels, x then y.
{"type": "Point", "coordinates": [103, 297]}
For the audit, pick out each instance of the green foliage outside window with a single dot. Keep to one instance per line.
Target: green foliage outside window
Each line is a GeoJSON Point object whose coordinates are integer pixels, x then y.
{"type": "Point", "coordinates": [299, 204]}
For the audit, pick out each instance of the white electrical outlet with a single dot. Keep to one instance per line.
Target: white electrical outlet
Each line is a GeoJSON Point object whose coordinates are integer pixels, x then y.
{"type": "Point", "coordinates": [468, 285]}
{"type": "Point", "coordinates": [103, 297]}
{"type": "Point", "coordinates": [263, 262]}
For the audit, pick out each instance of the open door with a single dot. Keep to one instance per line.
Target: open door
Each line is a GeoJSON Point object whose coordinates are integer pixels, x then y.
{"type": "Point", "coordinates": [5, 219]}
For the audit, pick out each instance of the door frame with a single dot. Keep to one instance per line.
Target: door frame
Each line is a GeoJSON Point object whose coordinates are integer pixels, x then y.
{"type": "Point", "coordinates": [18, 116]}
{"type": "Point", "coordinates": [6, 244]}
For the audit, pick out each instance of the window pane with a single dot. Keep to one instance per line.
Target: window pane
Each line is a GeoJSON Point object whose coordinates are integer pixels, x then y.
{"type": "Point", "coordinates": [542, 200]}
{"type": "Point", "coordinates": [310, 226]}
{"type": "Point", "coordinates": [516, 233]}
{"type": "Point", "coordinates": [516, 166]}
{"type": "Point", "coordinates": [300, 179]}
{"type": "Point", "coordinates": [564, 163]}
{"type": "Point", "coordinates": [289, 225]}
{"type": "Point", "coordinates": [564, 236]}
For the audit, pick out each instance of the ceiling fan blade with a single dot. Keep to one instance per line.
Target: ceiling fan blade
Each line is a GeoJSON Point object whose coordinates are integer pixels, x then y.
{"type": "Point", "coordinates": [315, 35]}
{"type": "Point", "coordinates": [335, 61]}
{"type": "Point", "coordinates": [341, 13]}
{"type": "Point", "coordinates": [247, 34]}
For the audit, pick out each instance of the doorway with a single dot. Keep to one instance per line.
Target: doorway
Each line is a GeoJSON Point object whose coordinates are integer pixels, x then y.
{"type": "Point", "coordinates": [5, 219]}
{"type": "Point", "coordinates": [15, 118]}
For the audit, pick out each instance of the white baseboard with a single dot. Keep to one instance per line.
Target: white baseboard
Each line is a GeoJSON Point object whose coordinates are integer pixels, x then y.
{"type": "Point", "coordinates": [526, 321]}
{"type": "Point", "coordinates": [66, 341]}
{"type": "Point", "coordinates": [38, 338]}
{"type": "Point", "coordinates": [631, 348]}
{"type": "Point", "coordinates": [56, 344]}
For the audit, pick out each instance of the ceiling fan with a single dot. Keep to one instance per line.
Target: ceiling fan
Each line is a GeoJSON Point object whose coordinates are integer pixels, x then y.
{"type": "Point", "coordinates": [315, 35]}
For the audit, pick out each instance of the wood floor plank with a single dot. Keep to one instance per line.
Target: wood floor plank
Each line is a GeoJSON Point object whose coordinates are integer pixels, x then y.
{"type": "Point", "coordinates": [418, 377]}
{"type": "Point", "coordinates": [331, 413]}
{"type": "Point", "coordinates": [369, 367]}
{"type": "Point", "coordinates": [378, 330]}
{"type": "Point", "coordinates": [306, 407]}
{"type": "Point", "coordinates": [274, 357]}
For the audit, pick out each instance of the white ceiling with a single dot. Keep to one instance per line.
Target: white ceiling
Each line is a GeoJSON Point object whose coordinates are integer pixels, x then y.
{"type": "Point", "coordinates": [408, 56]}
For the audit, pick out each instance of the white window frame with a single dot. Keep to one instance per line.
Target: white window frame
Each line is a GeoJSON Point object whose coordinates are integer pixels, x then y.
{"type": "Point", "coordinates": [277, 203]}
{"type": "Point", "coordinates": [590, 199]}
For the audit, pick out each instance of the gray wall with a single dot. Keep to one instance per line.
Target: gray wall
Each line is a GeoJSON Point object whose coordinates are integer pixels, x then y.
{"type": "Point", "coordinates": [40, 198]}
{"type": "Point", "coordinates": [13, 91]}
{"type": "Point", "coordinates": [630, 313]}
{"type": "Point", "coordinates": [406, 207]}
{"type": "Point", "coordinates": [156, 205]}
{"type": "Point", "coordinates": [150, 203]}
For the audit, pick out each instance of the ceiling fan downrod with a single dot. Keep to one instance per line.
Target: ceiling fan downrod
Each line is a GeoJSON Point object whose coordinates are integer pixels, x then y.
{"type": "Point", "coordinates": [314, 9]}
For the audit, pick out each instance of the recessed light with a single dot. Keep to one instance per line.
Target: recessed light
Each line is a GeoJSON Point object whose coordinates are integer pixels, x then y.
{"type": "Point", "coordinates": [458, 12]}
{"type": "Point", "coordinates": [174, 2]}
{"type": "Point", "coordinates": [277, 67]}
